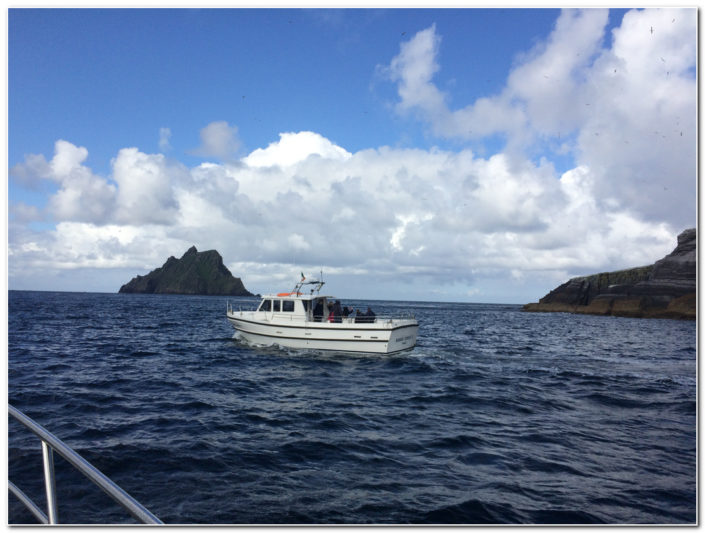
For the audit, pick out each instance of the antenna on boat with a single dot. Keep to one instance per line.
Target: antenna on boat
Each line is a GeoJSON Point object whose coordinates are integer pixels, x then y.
{"type": "Point", "coordinates": [320, 283]}
{"type": "Point", "coordinates": [316, 284]}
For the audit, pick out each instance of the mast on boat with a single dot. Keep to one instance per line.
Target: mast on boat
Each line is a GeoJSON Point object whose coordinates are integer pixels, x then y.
{"type": "Point", "coordinates": [317, 284]}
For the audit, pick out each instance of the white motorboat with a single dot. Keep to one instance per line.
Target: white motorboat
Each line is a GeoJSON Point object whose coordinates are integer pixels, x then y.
{"type": "Point", "coordinates": [316, 322]}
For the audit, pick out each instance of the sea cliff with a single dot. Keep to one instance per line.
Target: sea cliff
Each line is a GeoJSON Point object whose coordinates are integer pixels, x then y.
{"type": "Point", "coordinates": [665, 289]}
{"type": "Point", "coordinates": [195, 273]}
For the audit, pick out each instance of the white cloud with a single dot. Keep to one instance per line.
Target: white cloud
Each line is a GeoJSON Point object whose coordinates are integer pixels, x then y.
{"type": "Point", "coordinates": [298, 242]}
{"type": "Point", "coordinates": [31, 173]}
{"type": "Point", "coordinates": [406, 222]}
{"type": "Point", "coordinates": [640, 141]}
{"type": "Point", "coordinates": [67, 159]}
{"type": "Point", "coordinates": [293, 148]}
{"type": "Point", "coordinates": [82, 195]}
{"type": "Point", "coordinates": [145, 187]}
{"type": "Point", "coordinates": [219, 140]}
{"type": "Point", "coordinates": [389, 213]}
{"type": "Point", "coordinates": [24, 213]}
{"type": "Point", "coordinates": [139, 191]}
{"type": "Point", "coordinates": [414, 68]}
{"type": "Point", "coordinates": [629, 107]}
{"type": "Point", "coordinates": [445, 222]}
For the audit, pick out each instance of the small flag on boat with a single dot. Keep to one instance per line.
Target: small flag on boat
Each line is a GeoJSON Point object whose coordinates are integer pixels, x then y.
{"type": "Point", "coordinates": [303, 278]}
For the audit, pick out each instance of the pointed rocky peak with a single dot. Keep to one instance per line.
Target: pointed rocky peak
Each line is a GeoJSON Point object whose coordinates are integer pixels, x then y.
{"type": "Point", "coordinates": [190, 251]}
{"type": "Point", "coordinates": [195, 273]}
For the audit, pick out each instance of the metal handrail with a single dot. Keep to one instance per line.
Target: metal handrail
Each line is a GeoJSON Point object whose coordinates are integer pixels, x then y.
{"type": "Point", "coordinates": [28, 503]}
{"type": "Point", "coordinates": [378, 318]}
{"type": "Point", "coordinates": [403, 315]}
{"type": "Point", "coordinates": [50, 443]}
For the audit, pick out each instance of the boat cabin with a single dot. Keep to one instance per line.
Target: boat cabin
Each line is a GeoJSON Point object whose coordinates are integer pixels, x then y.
{"type": "Point", "coordinates": [297, 306]}
{"type": "Point", "coordinates": [313, 307]}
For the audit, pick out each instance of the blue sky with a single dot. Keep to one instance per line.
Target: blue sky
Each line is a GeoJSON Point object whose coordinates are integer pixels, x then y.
{"type": "Point", "coordinates": [455, 146]}
{"type": "Point", "coordinates": [111, 78]}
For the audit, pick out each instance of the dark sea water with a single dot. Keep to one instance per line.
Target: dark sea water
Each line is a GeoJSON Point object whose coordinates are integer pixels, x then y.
{"type": "Point", "coordinates": [497, 416]}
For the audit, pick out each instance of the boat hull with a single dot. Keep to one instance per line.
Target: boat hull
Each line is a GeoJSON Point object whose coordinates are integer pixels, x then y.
{"type": "Point", "coordinates": [382, 337]}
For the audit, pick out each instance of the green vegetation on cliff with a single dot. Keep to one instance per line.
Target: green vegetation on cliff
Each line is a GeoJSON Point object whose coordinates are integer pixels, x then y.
{"type": "Point", "coordinates": [619, 277]}
{"type": "Point", "coordinates": [195, 273]}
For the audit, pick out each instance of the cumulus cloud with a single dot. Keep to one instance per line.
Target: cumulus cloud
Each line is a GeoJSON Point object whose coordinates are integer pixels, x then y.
{"type": "Point", "coordinates": [625, 111]}
{"type": "Point", "coordinates": [219, 140]}
{"type": "Point", "coordinates": [32, 172]}
{"type": "Point", "coordinates": [447, 218]}
{"type": "Point", "coordinates": [414, 68]}
{"type": "Point", "coordinates": [24, 213]}
{"type": "Point", "coordinates": [139, 191]}
{"type": "Point", "coordinates": [82, 195]}
{"type": "Point", "coordinates": [293, 148]}
{"type": "Point", "coordinates": [145, 189]}
{"type": "Point", "coordinates": [437, 215]}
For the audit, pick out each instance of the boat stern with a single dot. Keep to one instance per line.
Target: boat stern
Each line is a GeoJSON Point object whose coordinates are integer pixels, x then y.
{"type": "Point", "coordinates": [403, 336]}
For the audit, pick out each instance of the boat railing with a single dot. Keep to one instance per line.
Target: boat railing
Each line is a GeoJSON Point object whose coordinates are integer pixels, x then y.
{"type": "Point", "coordinates": [231, 310]}
{"type": "Point", "coordinates": [350, 319]}
{"type": "Point", "coordinates": [51, 443]}
{"type": "Point", "coordinates": [362, 319]}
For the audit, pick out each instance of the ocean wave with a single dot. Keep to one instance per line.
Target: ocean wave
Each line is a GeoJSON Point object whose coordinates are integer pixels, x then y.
{"type": "Point", "coordinates": [509, 418]}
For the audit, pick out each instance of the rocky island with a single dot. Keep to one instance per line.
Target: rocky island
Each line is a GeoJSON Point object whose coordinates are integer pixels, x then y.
{"type": "Point", "coordinates": [665, 289]}
{"type": "Point", "coordinates": [195, 273]}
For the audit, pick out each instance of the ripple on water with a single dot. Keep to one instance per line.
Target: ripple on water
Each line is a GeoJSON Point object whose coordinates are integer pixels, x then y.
{"type": "Point", "coordinates": [509, 418]}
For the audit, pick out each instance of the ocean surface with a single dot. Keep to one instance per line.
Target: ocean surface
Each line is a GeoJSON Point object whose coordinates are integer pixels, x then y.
{"type": "Point", "coordinates": [496, 417]}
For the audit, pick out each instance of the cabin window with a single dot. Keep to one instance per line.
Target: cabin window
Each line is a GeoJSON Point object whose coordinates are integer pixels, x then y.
{"type": "Point", "coordinates": [306, 304]}
{"type": "Point", "coordinates": [266, 305]}
{"type": "Point", "coordinates": [277, 305]}
{"type": "Point", "coordinates": [288, 306]}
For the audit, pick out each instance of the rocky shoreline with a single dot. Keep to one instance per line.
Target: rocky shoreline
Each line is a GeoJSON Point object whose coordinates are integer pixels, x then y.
{"type": "Point", "coordinates": [666, 289]}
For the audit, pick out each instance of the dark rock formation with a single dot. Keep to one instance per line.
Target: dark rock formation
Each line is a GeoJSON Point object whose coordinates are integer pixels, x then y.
{"type": "Point", "coordinates": [665, 289]}
{"type": "Point", "coordinates": [195, 273]}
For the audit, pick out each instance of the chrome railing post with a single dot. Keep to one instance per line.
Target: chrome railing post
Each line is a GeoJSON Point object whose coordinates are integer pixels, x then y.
{"type": "Point", "coordinates": [51, 444]}
{"type": "Point", "coordinates": [50, 483]}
